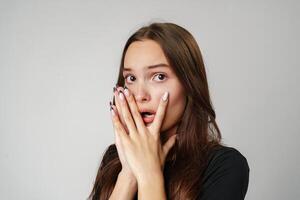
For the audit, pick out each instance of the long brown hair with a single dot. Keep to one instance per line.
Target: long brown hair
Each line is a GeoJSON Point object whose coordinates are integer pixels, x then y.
{"type": "Point", "coordinates": [198, 131]}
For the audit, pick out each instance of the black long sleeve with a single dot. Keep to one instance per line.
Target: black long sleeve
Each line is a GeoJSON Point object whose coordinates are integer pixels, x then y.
{"type": "Point", "coordinates": [226, 177]}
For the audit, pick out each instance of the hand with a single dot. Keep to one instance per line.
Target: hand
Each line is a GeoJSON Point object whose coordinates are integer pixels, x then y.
{"type": "Point", "coordinates": [141, 145]}
{"type": "Point", "coordinates": [125, 167]}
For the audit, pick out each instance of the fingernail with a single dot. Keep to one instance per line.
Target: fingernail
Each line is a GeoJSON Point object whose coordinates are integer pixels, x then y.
{"type": "Point", "coordinates": [114, 89]}
{"type": "Point", "coordinates": [121, 95]}
{"type": "Point", "coordinates": [126, 92]}
{"type": "Point", "coordinates": [165, 96]}
{"type": "Point", "coordinates": [118, 89]}
{"type": "Point", "coordinates": [112, 111]}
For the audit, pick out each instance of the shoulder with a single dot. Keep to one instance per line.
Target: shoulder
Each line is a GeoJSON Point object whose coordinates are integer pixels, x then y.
{"type": "Point", "coordinates": [225, 157]}
{"type": "Point", "coordinates": [226, 175]}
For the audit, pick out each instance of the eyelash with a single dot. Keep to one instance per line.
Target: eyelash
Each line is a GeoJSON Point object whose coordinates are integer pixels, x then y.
{"type": "Point", "coordinates": [125, 77]}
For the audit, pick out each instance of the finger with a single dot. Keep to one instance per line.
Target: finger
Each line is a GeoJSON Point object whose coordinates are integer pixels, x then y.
{"type": "Point", "coordinates": [135, 111]}
{"type": "Point", "coordinates": [160, 114]}
{"type": "Point", "coordinates": [169, 144]}
{"type": "Point", "coordinates": [116, 102]}
{"type": "Point", "coordinates": [126, 114]}
{"type": "Point", "coordinates": [118, 107]}
{"type": "Point", "coordinates": [117, 125]}
{"type": "Point", "coordinates": [118, 141]}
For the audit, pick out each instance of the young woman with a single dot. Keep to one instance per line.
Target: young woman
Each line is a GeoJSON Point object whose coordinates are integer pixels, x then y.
{"type": "Point", "coordinates": [167, 142]}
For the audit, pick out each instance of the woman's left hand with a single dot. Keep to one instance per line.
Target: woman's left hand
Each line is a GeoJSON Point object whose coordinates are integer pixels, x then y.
{"type": "Point", "coordinates": [142, 146]}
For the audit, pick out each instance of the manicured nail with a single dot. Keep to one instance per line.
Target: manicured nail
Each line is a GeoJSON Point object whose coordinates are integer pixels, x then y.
{"type": "Point", "coordinates": [121, 95]}
{"type": "Point", "coordinates": [126, 92]}
{"type": "Point", "coordinates": [112, 111]}
{"type": "Point", "coordinates": [165, 96]}
{"type": "Point", "coordinates": [118, 89]}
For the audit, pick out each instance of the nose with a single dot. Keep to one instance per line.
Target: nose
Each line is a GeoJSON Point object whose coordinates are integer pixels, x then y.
{"type": "Point", "coordinates": [142, 94]}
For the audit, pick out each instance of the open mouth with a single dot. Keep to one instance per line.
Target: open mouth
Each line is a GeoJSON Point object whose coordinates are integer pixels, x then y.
{"type": "Point", "coordinates": [147, 117]}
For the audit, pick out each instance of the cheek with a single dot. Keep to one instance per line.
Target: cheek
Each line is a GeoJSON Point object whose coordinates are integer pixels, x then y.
{"type": "Point", "coordinates": [174, 110]}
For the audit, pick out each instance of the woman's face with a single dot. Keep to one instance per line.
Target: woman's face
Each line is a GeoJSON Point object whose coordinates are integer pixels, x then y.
{"type": "Point", "coordinates": [148, 84]}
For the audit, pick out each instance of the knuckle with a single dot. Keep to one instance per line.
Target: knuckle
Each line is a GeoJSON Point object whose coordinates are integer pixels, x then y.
{"type": "Point", "coordinates": [116, 123]}
{"type": "Point", "coordinates": [130, 99]}
{"type": "Point", "coordinates": [127, 117]}
{"type": "Point", "coordinates": [114, 120]}
{"type": "Point", "coordinates": [118, 127]}
{"type": "Point", "coordinates": [135, 112]}
{"type": "Point", "coordinates": [160, 114]}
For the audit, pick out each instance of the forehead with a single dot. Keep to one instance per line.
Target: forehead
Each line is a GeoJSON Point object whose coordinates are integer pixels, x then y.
{"type": "Point", "coordinates": [141, 54]}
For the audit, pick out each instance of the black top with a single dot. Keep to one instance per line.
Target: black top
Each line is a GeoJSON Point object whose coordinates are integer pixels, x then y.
{"type": "Point", "coordinates": [227, 175]}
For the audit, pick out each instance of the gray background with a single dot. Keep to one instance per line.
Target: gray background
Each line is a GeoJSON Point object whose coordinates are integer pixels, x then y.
{"type": "Point", "coordinates": [59, 61]}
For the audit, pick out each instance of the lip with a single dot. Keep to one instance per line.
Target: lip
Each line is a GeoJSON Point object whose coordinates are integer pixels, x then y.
{"type": "Point", "coordinates": [147, 110]}
{"type": "Point", "coordinates": [148, 120]}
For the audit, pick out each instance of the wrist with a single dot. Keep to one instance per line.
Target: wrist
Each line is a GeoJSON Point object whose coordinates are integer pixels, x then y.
{"type": "Point", "coordinates": [150, 178]}
{"type": "Point", "coordinates": [152, 186]}
{"type": "Point", "coordinates": [128, 176]}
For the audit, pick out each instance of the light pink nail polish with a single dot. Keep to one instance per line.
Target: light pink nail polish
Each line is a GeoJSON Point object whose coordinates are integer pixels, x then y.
{"type": "Point", "coordinates": [126, 92]}
{"type": "Point", "coordinates": [112, 111]}
{"type": "Point", "coordinates": [165, 97]}
{"type": "Point", "coordinates": [121, 96]}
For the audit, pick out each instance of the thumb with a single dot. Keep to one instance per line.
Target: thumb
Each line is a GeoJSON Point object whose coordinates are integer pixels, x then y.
{"type": "Point", "coordinates": [168, 145]}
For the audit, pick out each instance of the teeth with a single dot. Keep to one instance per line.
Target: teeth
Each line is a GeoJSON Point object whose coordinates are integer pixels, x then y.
{"type": "Point", "coordinates": [146, 115]}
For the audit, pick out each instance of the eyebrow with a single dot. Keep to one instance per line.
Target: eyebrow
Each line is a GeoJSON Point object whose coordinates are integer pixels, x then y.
{"type": "Point", "coordinates": [149, 67]}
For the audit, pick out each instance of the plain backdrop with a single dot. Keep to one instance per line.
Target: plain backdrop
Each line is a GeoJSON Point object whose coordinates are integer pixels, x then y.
{"type": "Point", "coordinates": [59, 60]}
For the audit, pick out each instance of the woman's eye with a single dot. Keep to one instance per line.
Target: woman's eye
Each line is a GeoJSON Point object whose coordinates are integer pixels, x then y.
{"type": "Point", "coordinates": [160, 77]}
{"type": "Point", "coordinates": [129, 78]}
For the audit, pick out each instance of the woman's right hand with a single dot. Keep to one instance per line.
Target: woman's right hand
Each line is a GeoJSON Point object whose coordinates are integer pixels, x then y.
{"type": "Point", "coordinates": [125, 167]}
